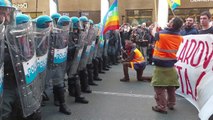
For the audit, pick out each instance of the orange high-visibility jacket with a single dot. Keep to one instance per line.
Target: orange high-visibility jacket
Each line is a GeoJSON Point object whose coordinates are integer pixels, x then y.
{"type": "Point", "coordinates": [167, 46]}
{"type": "Point", "coordinates": [138, 58]}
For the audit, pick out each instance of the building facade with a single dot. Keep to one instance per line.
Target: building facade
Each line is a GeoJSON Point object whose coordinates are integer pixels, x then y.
{"type": "Point", "coordinates": [131, 11]}
{"type": "Point", "coordinates": [34, 8]}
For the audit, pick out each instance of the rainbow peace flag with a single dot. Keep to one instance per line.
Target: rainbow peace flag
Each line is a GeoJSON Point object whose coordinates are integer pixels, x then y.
{"type": "Point", "coordinates": [173, 4]}
{"type": "Point", "coordinates": [111, 19]}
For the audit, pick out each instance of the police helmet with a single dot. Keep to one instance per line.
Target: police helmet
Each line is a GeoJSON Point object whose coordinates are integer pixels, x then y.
{"type": "Point", "coordinates": [75, 22]}
{"type": "Point", "coordinates": [42, 21]}
{"type": "Point", "coordinates": [22, 18]}
{"type": "Point", "coordinates": [63, 21]}
{"type": "Point", "coordinates": [5, 3]}
{"type": "Point", "coordinates": [91, 22]}
{"type": "Point", "coordinates": [74, 19]}
{"type": "Point", "coordinates": [55, 16]}
{"type": "Point", "coordinates": [83, 19]}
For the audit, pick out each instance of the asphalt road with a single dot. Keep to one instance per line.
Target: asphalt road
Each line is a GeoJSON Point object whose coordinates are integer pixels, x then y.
{"type": "Point", "coordinates": [115, 100]}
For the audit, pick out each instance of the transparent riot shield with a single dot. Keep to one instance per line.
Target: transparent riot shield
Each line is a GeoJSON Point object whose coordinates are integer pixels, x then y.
{"type": "Point", "coordinates": [106, 44]}
{"type": "Point", "coordinates": [77, 55]}
{"type": "Point", "coordinates": [2, 32]}
{"type": "Point", "coordinates": [57, 57]}
{"type": "Point", "coordinates": [42, 48]}
{"type": "Point", "coordinates": [20, 40]}
{"type": "Point", "coordinates": [93, 48]}
{"type": "Point", "coordinates": [87, 48]}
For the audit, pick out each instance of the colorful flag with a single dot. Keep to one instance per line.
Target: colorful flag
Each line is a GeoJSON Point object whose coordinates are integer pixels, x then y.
{"type": "Point", "coordinates": [111, 19]}
{"type": "Point", "coordinates": [173, 4]}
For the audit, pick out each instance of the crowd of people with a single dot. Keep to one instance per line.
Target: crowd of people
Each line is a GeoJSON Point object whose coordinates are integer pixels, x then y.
{"type": "Point", "coordinates": [58, 51]}
{"type": "Point", "coordinates": [165, 43]}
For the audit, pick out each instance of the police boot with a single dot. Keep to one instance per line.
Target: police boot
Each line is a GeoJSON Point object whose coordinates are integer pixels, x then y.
{"type": "Point", "coordinates": [126, 74]}
{"type": "Point", "coordinates": [56, 101]}
{"type": "Point", "coordinates": [90, 75]}
{"type": "Point", "coordinates": [95, 71]}
{"type": "Point", "coordinates": [78, 97]}
{"type": "Point", "coordinates": [139, 74]}
{"type": "Point", "coordinates": [45, 96]}
{"type": "Point", "coordinates": [71, 86]}
{"type": "Point", "coordinates": [84, 82]}
{"type": "Point", "coordinates": [100, 66]}
{"type": "Point", "coordinates": [104, 62]}
{"type": "Point", "coordinates": [63, 108]}
{"type": "Point", "coordinates": [81, 100]}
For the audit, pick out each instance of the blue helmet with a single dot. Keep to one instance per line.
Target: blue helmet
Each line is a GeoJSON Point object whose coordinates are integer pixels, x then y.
{"type": "Point", "coordinates": [75, 22]}
{"type": "Point", "coordinates": [55, 16]}
{"type": "Point", "coordinates": [22, 18]}
{"type": "Point", "coordinates": [42, 21]}
{"type": "Point", "coordinates": [91, 21]}
{"type": "Point", "coordinates": [5, 3]}
{"type": "Point", "coordinates": [83, 19]}
{"type": "Point", "coordinates": [63, 20]}
{"type": "Point", "coordinates": [74, 19]}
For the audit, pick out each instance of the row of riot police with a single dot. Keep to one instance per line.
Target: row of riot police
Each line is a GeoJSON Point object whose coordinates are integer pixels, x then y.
{"type": "Point", "coordinates": [35, 53]}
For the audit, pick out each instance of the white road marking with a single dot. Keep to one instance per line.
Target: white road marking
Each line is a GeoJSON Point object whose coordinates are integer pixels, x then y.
{"type": "Point", "coordinates": [127, 94]}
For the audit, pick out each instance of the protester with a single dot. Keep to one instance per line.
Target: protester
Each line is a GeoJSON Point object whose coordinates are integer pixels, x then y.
{"type": "Point", "coordinates": [134, 60]}
{"type": "Point", "coordinates": [205, 19]}
{"type": "Point", "coordinates": [165, 77]}
{"type": "Point", "coordinates": [189, 29]}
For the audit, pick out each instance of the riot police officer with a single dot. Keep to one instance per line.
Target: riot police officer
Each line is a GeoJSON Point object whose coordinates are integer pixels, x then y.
{"type": "Point", "coordinates": [74, 53]}
{"type": "Point", "coordinates": [20, 89]}
{"type": "Point", "coordinates": [90, 67]}
{"type": "Point", "coordinates": [57, 59]}
{"type": "Point", "coordinates": [97, 61]}
{"type": "Point", "coordinates": [82, 72]}
{"type": "Point", "coordinates": [55, 18]}
{"type": "Point", "coordinates": [42, 34]}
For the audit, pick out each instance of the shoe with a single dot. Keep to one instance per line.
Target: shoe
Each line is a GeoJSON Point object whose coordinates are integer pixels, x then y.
{"type": "Point", "coordinates": [156, 109]}
{"type": "Point", "coordinates": [93, 84]}
{"type": "Point", "coordinates": [71, 94]}
{"type": "Point", "coordinates": [64, 109]}
{"type": "Point", "coordinates": [56, 103]}
{"type": "Point", "coordinates": [108, 66]}
{"type": "Point", "coordinates": [171, 108]}
{"type": "Point", "coordinates": [97, 79]}
{"type": "Point", "coordinates": [106, 69]}
{"type": "Point", "coordinates": [124, 80]}
{"type": "Point", "coordinates": [102, 72]}
{"type": "Point", "coordinates": [45, 97]}
{"type": "Point", "coordinates": [87, 91]}
{"type": "Point", "coordinates": [81, 100]}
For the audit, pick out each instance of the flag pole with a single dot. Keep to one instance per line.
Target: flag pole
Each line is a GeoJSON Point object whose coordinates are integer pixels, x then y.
{"type": "Point", "coordinates": [156, 13]}
{"type": "Point", "coordinates": [173, 13]}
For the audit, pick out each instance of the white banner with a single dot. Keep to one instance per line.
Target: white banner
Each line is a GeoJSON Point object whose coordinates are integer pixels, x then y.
{"type": "Point", "coordinates": [195, 70]}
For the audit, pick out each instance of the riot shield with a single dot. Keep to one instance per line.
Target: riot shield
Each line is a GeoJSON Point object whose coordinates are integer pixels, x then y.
{"type": "Point", "coordinates": [106, 44]}
{"type": "Point", "coordinates": [42, 47]}
{"type": "Point", "coordinates": [20, 41]}
{"type": "Point", "coordinates": [57, 56]}
{"type": "Point", "coordinates": [2, 32]}
{"type": "Point", "coordinates": [93, 48]}
{"type": "Point", "coordinates": [77, 55]}
{"type": "Point", "coordinates": [87, 48]}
